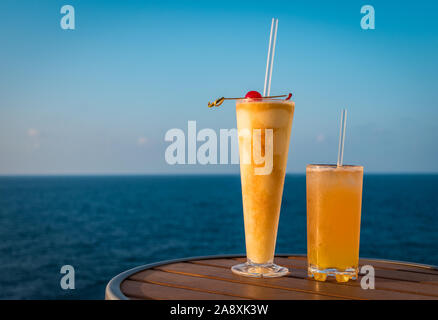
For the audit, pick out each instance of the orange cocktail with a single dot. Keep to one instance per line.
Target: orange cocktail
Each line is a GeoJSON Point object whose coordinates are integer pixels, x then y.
{"type": "Point", "coordinates": [264, 127]}
{"type": "Point", "coordinates": [334, 199]}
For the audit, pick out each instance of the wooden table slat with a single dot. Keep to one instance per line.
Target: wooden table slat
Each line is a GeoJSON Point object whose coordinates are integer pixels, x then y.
{"type": "Point", "coordinates": [218, 273]}
{"type": "Point", "coordinates": [225, 263]}
{"type": "Point", "coordinates": [220, 287]}
{"type": "Point", "coordinates": [142, 290]}
{"type": "Point", "coordinates": [389, 265]}
{"type": "Point", "coordinates": [290, 283]}
{"type": "Point", "coordinates": [398, 266]}
{"type": "Point", "coordinates": [379, 273]}
{"type": "Point", "coordinates": [294, 264]}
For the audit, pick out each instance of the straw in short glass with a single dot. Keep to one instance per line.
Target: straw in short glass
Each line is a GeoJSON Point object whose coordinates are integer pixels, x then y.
{"type": "Point", "coordinates": [342, 137]}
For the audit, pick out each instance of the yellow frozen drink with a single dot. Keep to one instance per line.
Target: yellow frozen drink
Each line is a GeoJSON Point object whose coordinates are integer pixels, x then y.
{"type": "Point", "coordinates": [264, 127]}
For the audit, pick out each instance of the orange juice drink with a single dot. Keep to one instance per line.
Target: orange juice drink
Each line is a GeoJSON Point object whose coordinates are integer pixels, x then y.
{"type": "Point", "coordinates": [264, 127]}
{"type": "Point", "coordinates": [334, 199]}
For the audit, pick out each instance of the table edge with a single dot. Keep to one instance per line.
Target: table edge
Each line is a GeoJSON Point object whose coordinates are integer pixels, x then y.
{"type": "Point", "coordinates": [113, 291]}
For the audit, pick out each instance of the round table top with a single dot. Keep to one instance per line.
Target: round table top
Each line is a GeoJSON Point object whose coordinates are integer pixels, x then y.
{"type": "Point", "coordinates": [210, 278]}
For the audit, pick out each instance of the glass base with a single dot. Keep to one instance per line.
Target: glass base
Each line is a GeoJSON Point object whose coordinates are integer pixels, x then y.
{"type": "Point", "coordinates": [340, 276]}
{"type": "Point", "coordinates": [269, 270]}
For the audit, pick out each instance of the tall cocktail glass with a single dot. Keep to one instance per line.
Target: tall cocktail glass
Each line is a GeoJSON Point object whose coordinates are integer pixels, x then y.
{"type": "Point", "coordinates": [264, 127]}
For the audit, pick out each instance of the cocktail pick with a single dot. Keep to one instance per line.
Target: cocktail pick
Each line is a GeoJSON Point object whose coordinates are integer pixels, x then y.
{"type": "Point", "coordinates": [221, 100]}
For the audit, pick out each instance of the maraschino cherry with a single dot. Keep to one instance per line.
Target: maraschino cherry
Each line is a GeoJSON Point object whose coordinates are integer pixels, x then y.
{"type": "Point", "coordinates": [253, 95]}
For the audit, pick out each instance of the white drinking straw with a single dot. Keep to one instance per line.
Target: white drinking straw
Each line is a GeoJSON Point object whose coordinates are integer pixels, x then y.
{"type": "Point", "coordinates": [342, 137]}
{"type": "Point", "coordinates": [270, 60]}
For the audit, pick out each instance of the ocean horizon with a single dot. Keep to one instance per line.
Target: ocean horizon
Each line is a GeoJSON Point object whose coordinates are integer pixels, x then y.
{"type": "Point", "coordinates": [105, 224]}
{"type": "Point", "coordinates": [176, 174]}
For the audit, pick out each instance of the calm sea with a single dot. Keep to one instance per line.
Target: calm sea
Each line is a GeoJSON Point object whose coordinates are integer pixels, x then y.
{"type": "Point", "coordinates": [105, 225]}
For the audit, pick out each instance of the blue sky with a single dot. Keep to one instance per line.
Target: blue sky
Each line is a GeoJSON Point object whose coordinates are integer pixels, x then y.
{"type": "Point", "coordinates": [100, 98]}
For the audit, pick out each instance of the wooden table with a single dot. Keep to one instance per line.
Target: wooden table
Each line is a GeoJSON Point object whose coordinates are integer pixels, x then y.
{"type": "Point", "coordinates": [210, 278]}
